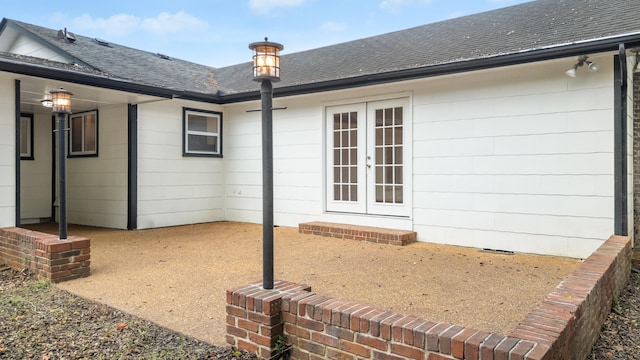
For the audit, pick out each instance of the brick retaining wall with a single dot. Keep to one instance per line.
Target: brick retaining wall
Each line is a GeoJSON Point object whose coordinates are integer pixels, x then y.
{"type": "Point", "coordinates": [563, 326]}
{"type": "Point", "coordinates": [45, 255]}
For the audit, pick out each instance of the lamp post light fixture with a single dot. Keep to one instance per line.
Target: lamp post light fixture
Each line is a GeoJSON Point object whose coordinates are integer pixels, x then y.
{"type": "Point", "coordinates": [61, 106]}
{"type": "Point", "coordinates": [266, 68]}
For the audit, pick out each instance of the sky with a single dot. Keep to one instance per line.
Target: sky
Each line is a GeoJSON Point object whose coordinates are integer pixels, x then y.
{"type": "Point", "coordinates": [217, 32]}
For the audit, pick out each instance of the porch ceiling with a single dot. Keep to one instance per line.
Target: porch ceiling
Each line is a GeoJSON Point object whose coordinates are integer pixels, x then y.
{"type": "Point", "coordinates": [33, 90]}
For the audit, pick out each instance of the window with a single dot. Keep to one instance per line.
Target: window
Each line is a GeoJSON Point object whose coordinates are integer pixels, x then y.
{"type": "Point", "coordinates": [83, 137]}
{"type": "Point", "coordinates": [26, 136]}
{"type": "Point", "coordinates": [202, 132]}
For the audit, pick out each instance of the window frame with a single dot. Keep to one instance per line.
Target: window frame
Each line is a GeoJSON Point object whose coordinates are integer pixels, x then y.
{"type": "Point", "coordinates": [185, 132]}
{"type": "Point", "coordinates": [29, 154]}
{"type": "Point", "coordinates": [83, 153]}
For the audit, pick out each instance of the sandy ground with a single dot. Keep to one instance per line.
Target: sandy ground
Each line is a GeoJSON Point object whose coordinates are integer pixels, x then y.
{"type": "Point", "coordinates": [177, 277]}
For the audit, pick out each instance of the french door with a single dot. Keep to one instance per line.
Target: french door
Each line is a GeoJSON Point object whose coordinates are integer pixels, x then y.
{"type": "Point", "coordinates": [368, 158]}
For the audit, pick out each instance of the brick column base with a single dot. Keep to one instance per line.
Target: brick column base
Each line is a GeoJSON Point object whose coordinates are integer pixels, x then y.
{"type": "Point", "coordinates": [45, 255]}
{"type": "Point", "coordinates": [254, 316]}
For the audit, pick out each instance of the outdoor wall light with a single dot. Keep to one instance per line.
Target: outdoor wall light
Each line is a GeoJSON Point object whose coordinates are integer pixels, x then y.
{"type": "Point", "coordinates": [266, 60]}
{"type": "Point", "coordinates": [582, 60]}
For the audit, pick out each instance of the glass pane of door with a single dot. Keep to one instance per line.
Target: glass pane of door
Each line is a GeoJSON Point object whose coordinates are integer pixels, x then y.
{"type": "Point", "coordinates": [388, 151]}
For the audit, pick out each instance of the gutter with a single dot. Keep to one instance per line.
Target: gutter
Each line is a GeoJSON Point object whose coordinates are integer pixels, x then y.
{"type": "Point", "coordinates": [549, 53]}
{"type": "Point", "coordinates": [84, 79]}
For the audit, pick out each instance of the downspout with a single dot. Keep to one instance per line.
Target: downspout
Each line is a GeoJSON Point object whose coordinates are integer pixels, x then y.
{"type": "Point", "coordinates": [620, 142]}
{"type": "Point", "coordinates": [132, 167]}
{"type": "Point", "coordinates": [17, 151]}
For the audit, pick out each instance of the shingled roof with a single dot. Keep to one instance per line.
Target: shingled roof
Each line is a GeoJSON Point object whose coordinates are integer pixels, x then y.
{"type": "Point", "coordinates": [130, 64]}
{"type": "Point", "coordinates": [537, 30]}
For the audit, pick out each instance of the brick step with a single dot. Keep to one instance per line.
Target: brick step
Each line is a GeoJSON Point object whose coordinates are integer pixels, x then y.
{"type": "Point", "coordinates": [359, 233]}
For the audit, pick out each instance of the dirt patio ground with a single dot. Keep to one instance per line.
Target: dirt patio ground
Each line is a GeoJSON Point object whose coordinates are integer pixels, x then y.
{"type": "Point", "coordinates": [177, 277]}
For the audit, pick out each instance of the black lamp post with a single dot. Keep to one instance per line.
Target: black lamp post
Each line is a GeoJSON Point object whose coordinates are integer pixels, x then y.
{"type": "Point", "coordinates": [61, 100]}
{"type": "Point", "coordinates": [266, 68]}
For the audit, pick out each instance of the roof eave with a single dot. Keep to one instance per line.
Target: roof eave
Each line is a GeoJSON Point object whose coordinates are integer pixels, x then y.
{"type": "Point", "coordinates": [86, 79]}
{"type": "Point", "coordinates": [522, 57]}
{"type": "Point", "coordinates": [44, 43]}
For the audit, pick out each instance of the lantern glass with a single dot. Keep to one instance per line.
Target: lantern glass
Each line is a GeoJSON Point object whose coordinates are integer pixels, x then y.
{"type": "Point", "coordinates": [61, 100]}
{"type": "Point", "coordinates": [266, 60]}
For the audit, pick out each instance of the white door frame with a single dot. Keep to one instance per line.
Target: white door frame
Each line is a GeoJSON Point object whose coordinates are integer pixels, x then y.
{"type": "Point", "coordinates": [356, 150]}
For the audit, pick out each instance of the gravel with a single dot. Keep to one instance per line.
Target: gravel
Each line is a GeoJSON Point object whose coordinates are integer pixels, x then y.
{"type": "Point", "coordinates": [40, 321]}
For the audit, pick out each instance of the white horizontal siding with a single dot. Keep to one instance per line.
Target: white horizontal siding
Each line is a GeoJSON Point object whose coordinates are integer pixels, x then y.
{"type": "Point", "coordinates": [28, 47]}
{"type": "Point", "coordinates": [7, 152]}
{"type": "Point", "coordinates": [97, 186]}
{"type": "Point", "coordinates": [524, 163]}
{"type": "Point", "coordinates": [534, 184]}
{"type": "Point", "coordinates": [297, 163]}
{"type": "Point", "coordinates": [174, 189]}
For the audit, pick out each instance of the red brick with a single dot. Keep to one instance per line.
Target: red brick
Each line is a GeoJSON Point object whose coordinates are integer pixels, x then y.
{"type": "Point", "coordinates": [232, 330]}
{"type": "Point", "coordinates": [272, 331]}
{"type": "Point", "coordinates": [58, 246]}
{"type": "Point", "coordinates": [312, 347]}
{"type": "Point", "coordinates": [419, 335]}
{"type": "Point", "coordinates": [458, 342]}
{"type": "Point", "coordinates": [385, 325]}
{"type": "Point", "coordinates": [383, 356]}
{"type": "Point", "coordinates": [310, 324]}
{"type": "Point", "coordinates": [261, 340]}
{"type": "Point", "coordinates": [472, 345]}
{"type": "Point", "coordinates": [339, 355]}
{"type": "Point", "coordinates": [539, 352]}
{"type": "Point", "coordinates": [80, 243]}
{"type": "Point", "coordinates": [433, 336]}
{"type": "Point", "coordinates": [327, 309]}
{"type": "Point", "coordinates": [355, 349]}
{"type": "Point", "coordinates": [356, 317]}
{"type": "Point", "coordinates": [408, 329]}
{"type": "Point", "coordinates": [502, 351]}
{"type": "Point", "coordinates": [371, 341]}
{"type": "Point", "coordinates": [340, 332]}
{"type": "Point", "coordinates": [521, 350]}
{"type": "Point", "coordinates": [446, 338]}
{"type": "Point", "coordinates": [374, 323]}
{"type": "Point", "coordinates": [434, 356]}
{"type": "Point", "coordinates": [236, 311]}
{"type": "Point", "coordinates": [247, 346]}
{"type": "Point", "coordinates": [407, 351]}
{"type": "Point", "coordinates": [324, 339]}
{"type": "Point", "coordinates": [488, 346]}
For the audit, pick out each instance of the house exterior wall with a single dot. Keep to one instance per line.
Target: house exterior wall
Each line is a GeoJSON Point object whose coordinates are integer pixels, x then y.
{"type": "Point", "coordinates": [97, 186]}
{"type": "Point", "coordinates": [35, 175]}
{"type": "Point", "coordinates": [7, 151]}
{"type": "Point", "coordinates": [297, 162]}
{"type": "Point", "coordinates": [174, 189]}
{"type": "Point", "coordinates": [517, 158]}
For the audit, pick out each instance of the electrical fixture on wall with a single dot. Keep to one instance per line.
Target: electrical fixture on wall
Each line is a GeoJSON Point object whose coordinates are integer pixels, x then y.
{"type": "Point", "coordinates": [47, 103]}
{"type": "Point", "coordinates": [582, 60]}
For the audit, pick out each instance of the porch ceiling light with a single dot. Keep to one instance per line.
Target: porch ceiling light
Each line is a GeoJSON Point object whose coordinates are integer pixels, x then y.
{"type": "Point", "coordinates": [47, 103]}
{"type": "Point", "coordinates": [582, 60]}
{"type": "Point", "coordinates": [266, 60]}
{"type": "Point", "coordinates": [61, 101]}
